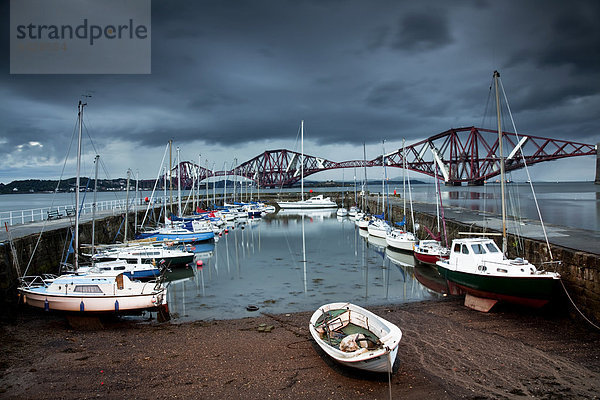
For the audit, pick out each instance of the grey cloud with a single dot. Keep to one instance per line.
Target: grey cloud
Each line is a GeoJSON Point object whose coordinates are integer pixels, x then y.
{"type": "Point", "coordinates": [234, 74]}
{"type": "Point", "coordinates": [423, 31]}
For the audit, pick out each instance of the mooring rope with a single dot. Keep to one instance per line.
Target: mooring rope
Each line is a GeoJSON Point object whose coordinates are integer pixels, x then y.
{"type": "Point", "coordinates": [390, 372]}
{"type": "Point", "coordinates": [577, 308]}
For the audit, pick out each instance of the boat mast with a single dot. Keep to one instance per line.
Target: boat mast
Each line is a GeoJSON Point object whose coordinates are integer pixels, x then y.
{"type": "Point", "coordinates": [383, 179]}
{"type": "Point", "coordinates": [302, 158]}
{"type": "Point", "coordinates": [76, 249]}
{"type": "Point", "coordinates": [234, 179]}
{"type": "Point", "coordinates": [404, 180]}
{"type": "Point", "coordinates": [214, 187]}
{"type": "Point", "coordinates": [127, 208]}
{"type": "Point", "coordinates": [165, 194]}
{"type": "Point", "coordinates": [355, 198]}
{"type": "Point", "coordinates": [504, 244]}
{"type": "Point", "coordinates": [437, 204]}
{"type": "Point", "coordinates": [365, 183]}
{"type": "Point", "coordinates": [225, 185]}
{"type": "Point", "coordinates": [135, 216]}
{"type": "Point", "coordinates": [170, 176]}
{"type": "Point", "coordinates": [94, 204]}
{"type": "Point", "coordinates": [439, 193]}
{"type": "Point", "coordinates": [178, 184]}
{"type": "Point", "coordinates": [198, 187]}
{"type": "Point", "coordinates": [302, 190]}
{"type": "Point", "coordinates": [206, 168]}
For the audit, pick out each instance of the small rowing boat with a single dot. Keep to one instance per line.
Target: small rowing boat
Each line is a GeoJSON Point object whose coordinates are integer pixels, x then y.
{"type": "Point", "coordinates": [355, 337]}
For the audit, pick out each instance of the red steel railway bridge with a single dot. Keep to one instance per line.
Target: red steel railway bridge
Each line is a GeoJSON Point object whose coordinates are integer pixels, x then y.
{"type": "Point", "coordinates": [463, 155]}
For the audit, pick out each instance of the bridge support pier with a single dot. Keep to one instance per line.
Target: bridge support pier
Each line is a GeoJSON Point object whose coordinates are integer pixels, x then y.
{"type": "Point", "coordinates": [597, 181]}
{"type": "Point", "coordinates": [476, 183]}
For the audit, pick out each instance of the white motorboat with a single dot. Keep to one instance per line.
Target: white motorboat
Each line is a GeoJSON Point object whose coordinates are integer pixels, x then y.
{"type": "Point", "coordinates": [355, 337]}
{"type": "Point", "coordinates": [478, 267]}
{"type": "Point", "coordinates": [342, 212]}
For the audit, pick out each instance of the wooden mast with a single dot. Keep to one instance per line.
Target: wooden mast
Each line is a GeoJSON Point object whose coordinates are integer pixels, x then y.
{"type": "Point", "coordinates": [502, 178]}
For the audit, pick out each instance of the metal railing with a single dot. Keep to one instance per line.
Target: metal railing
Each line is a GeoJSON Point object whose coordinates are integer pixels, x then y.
{"type": "Point", "coordinates": [17, 217]}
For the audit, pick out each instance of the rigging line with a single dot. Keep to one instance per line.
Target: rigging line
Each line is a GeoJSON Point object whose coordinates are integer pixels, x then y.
{"type": "Point", "coordinates": [527, 171]}
{"type": "Point", "coordinates": [516, 218]}
{"type": "Point", "coordinates": [53, 197]}
{"type": "Point", "coordinates": [104, 169]}
{"type": "Point", "coordinates": [155, 184]}
{"type": "Point", "coordinates": [487, 103]}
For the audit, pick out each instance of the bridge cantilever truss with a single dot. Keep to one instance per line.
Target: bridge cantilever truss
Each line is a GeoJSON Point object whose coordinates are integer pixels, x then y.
{"type": "Point", "coordinates": [467, 154]}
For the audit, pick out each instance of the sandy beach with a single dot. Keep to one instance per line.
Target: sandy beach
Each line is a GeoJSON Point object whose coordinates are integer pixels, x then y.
{"type": "Point", "coordinates": [447, 352]}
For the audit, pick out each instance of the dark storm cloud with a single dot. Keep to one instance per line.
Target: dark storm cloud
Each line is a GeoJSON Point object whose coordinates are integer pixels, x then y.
{"type": "Point", "coordinates": [233, 74]}
{"type": "Point", "coordinates": [576, 39]}
{"type": "Point", "coordinates": [424, 30]}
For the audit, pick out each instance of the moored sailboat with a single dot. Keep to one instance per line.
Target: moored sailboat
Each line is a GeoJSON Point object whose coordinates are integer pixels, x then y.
{"type": "Point", "coordinates": [318, 201]}
{"type": "Point", "coordinates": [89, 292]}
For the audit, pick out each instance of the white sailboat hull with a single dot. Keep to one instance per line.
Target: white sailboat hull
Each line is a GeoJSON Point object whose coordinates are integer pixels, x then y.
{"type": "Point", "coordinates": [377, 230]}
{"type": "Point", "coordinates": [314, 202]}
{"type": "Point", "coordinates": [90, 303]}
{"type": "Point", "coordinates": [92, 293]}
{"type": "Point", "coordinates": [401, 240]}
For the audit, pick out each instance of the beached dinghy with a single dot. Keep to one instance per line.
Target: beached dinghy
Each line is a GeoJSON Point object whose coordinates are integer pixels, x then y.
{"type": "Point", "coordinates": [355, 337]}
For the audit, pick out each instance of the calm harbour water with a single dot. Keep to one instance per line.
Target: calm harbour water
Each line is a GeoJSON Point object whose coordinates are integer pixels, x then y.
{"type": "Point", "coordinates": [260, 263]}
{"type": "Point", "coordinates": [573, 204]}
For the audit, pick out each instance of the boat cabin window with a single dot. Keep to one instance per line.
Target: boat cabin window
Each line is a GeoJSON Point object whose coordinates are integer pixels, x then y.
{"type": "Point", "coordinates": [120, 268]}
{"type": "Point", "coordinates": [87, 289]}
{"type": "Point", "coordinates": [478, 248]}
{"type": "Point", "coordinates": [456, 248]}
{"type": "Point", "coordinates": [465, 249]}
{"type": "Point", "coordinates": [492, 248]}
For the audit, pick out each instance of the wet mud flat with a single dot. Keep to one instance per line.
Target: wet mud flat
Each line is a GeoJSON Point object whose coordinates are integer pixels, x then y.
{"type": "Point", "coordinates": [447, 352]}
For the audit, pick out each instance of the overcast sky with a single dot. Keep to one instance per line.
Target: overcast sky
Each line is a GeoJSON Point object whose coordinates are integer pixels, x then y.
{"type": "Point", "coordinates": [231, 79]}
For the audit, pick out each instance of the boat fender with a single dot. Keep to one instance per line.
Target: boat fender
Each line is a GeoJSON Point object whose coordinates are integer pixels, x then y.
{"type": "Point", "coordinates": [81, 306]}
{"type": "Point", "coordinates": [116, 305]}
{"type": "Point", "coordinates": [46, 305]}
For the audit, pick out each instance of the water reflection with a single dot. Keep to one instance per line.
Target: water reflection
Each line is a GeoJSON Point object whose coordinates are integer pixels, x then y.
{"type": "Point", "coordinates": [430, 278]}
{"type": "Point", "coordinates": [265, 263]}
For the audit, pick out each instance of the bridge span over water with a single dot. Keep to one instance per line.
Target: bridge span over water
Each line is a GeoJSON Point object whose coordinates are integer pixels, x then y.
{"type": "Point", "coordinates": [459, 155]}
